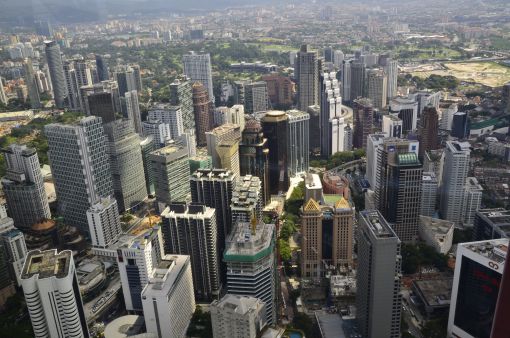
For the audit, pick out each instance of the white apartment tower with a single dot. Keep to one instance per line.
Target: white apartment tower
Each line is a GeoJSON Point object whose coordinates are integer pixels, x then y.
{"type": "Point", "coordinates": [104, 222]}
{"type": "Point", "coordinates": [52, 295]}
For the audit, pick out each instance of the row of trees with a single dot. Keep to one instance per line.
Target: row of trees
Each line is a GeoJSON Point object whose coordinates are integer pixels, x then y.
{"type": "Point", "coordinates": [338, 159]}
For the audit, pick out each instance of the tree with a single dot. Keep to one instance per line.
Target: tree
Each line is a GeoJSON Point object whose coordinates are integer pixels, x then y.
{"type": "Point", "coordinates": [284, 250]}
{"type": "Point", "coordinates": [200, 324]}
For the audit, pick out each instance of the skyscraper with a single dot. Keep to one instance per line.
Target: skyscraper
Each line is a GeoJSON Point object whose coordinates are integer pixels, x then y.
{"type": "Point", "coordinates": [399, 190]}
{"type": "Point", "coordinates": [377, 84]}
{"type": "Point", "coordinates": [331, 110]}
{"type": "Point", "coordinates": [346, 80]}
{"type": "Point", "coordinates": [202, 107]}
{"type": "Point", "coordinates": [306, 71]}
{"type": "Point", "coordinates": [378, 299]}
{"type": "Point", "coordinates": [101, 104]}
{"type": "Point", "coordinates": [251, 264]}
{"type": "Point", "coordinates": [133, 110]}
{"type": "Point", "coordinates": [252, 95]}
{"type": "Point", "coordinates": [358, 80]}
{"type": "Point", "coordinates": [197, 67]}
{"type": "Point", "coordinates": [298, 149]}
{"type": "Point", "coordinates": [392, 126]}
{"type": "Point", "coordinates": [246, 201]}
{"type": "Point", "coordinates": [137, 260]}
{"type": "Point", "coordinates": [428, 131]}
{"type": "Point", "coordinates": [407, 110]}
{"type": "Point", "coordinates": [275, 129]}
{"type": "Point", "coordinates": [214, 138]}
{"type": "Point", "coordinates": [104, 222]}
{"type": "Point", "coordinates": [170, 167]}
{"type": "Point", "coordinates": [477, 278]}
{"type": "Point", "coordinates": [80, 167]}
{"type": "Point", "coordinates": [181, 94]}
{"type": "Point", "coordinates": [103, 73]}
{"type": "Point", "coordinates": [168, 301]}
{"type": "Point", "coordinates": [214, 188]}
{"type": "Point", "coordinates": [429, 194]}
{"type": "Point", "coordinates": [23, 187]}
{"type": "Point", "coordinates": [14, 250]}
{"type": "Point", "coordinates": [253, 154]}
{"type": "Point", "coordinates": [128, 78]}
{"type": "Point", "coordinates": [455, 170]}
{"type": "Point", "coordinates": [390, 67]}
{"type": "Point", "coordinates": [327, 236]}
{"type": "Point", "coordinates": [147, 145]}
{"type": "Point", "coordinates": [3, 98]}
{"type": "Point", "coordinates": [52, 295]}
{"type": "Point", "coordinates": [373, 143]}
{"type": "Point", "coordinates": [56, 70]}
{"type": "Point", "coordinates": [191, 230]}
{"type": "Point", "coordinates": [33, 92]}
{"type": "Point", "coordinates": [363, 111]}
{"type": "Point", "coordinates": [169, 115]}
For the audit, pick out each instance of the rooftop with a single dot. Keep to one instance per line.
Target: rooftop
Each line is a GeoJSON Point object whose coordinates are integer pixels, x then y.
{"type": "Point", "coordinates": [238, 304]}
{"type": "Point", "coordinates": [435, 292]}
{"type": "Point", "coordinates": [408, 159]}
{"type": "Point", "coordinates": [377, 224]}
{"type": "Point", "coordinates": [495, 249]}
{"type": "Point", "coordinates": [47, 264]}
{"type": "Point", "coordinates": [250, 242]}
{"type": "Point", "coordinates": [166, 274]}
{"type": "Point", "coordinates": [437, 225]}
{"type": "Point", "coordinates": [247, 191]}
{"type": "Point", "coordinates": [126, 326]}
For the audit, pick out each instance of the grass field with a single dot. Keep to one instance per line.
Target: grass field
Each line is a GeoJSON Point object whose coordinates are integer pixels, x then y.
{"type": "Point", "coordinates": [489, 74]}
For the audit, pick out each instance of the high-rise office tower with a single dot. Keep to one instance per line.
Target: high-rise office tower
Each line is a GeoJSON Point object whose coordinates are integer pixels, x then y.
{"type": "Point", "coordinates": [306, 72]}
{"type": "Point", "coordinates": [191, 230]}
{"type": "Point", "coordinates": [348, 136]}
{"type": "Point", "coordinates": [3, 98]}
{"type": "Point", "coordinates": [472, 201]}
{"type": "Point", "coordinates": [103, 73]}
{"type": "Point", "coordinates": [238, 316]}
{"type": "Point", "coordinates": [275, 128]}
{"type": "Point", "coordinates": [170, 167]}
{"type": "Point", "coordinates": [52, 295]}
{"type": "Point", "coordinates": [101, 104]}
{"type": "Point", "coordinates": [23, 187]}
{"type": "Point", "coordinates": [181, 94]}
{"type": "Point", "coordinates": [80, 167]}
{"type": "Point", "coordinates": [214, 188]}
{"type": "Point", "coordinates": [377, 87]}
{"type": "Point", "coordinates": [298, 149]}
{"type": "Point", "coordinates": [71, 81]}
{"type": "Point", "coordinates": [455, 171]}
{"type": "Point", "coordinates": [476, 282]}
{"type": "Point", "coordinates": [83, 74]}
{"type": "Point", "coordinates": [202, 107]}
{"type": "Point", "coordinates": [197, 67]}
{"type": "Point", "coordinates": [33, 92]}
{"type": "Point", "coordinates": [331, 112]}
{"type": "Point", "coordinates": [128, 78]}
{"type": "Point", "coordinates": [346, 80]}
{"type": "Point", "coordinates": [373, 143]}
{"type": "Point", "coordinates": [491, 224]}
{"type": "Point", "coordinates": [126, 164]}
{"type": "Point", "coordinates": [363, 111]}
{"type": "Point", "coordinates": [280, 89]}
{"type": "Point", "coordinates": [159, 131]}
{"type": "Point", "coordinates": [228, 155]}
{"type": "Point", "coordinates": [251, 264]}
{"type": "Point", "coordinates": [133, 110]}
{"type": "Point", "coordinates": [14, 249]}
{"type": "Point", "coordinates": [253, 154]}
{"type": "Point", "coordinates": [378, 300]}
{"type": "Point", "coordinates": [460, 125]}
{"type": "Point", "coordinates": [147, 145]}
{"type": "Point", "coordinates": [428, 131]}
{"type": "Point", "coordinates": [215, 137]}
{"type": "Point", "coordinates": [234, 115]}
{"type": "Point", "coordinates": [169, 115]}
{"type": "Point", "coordinates": [168, 301]}
{"type": "Point", "coordinates": [390, 67]}
{"type": "Point", "coordinates": [7, 286]}
{"type": "Point", "coordinates": [43, 27]}
{"type": "Point", "coordinates": [327, 236]}
{"type": "Point", "coordinates": [424, 98]}
{"type": "Point", "coordinates": [314, 134]}
{"type": "Point", "coordinates": [56, 70]}
{"type": "Point", "coordinates": [429, 194]}
{"type": "Point", "coordinates": [138, 77]}
{"type": "Point", "coordinates": [399, 187]}
{"type": "Point", "coordinates": [358, 80]}
{"type": "Point", "coordinates": [246, 201]}
{"type": "Point", "coordinates": [392, 126]}
{"type": "Point", "coordinates": [252, 95]}
{"type": "Point", "coordinates": [136, 260]}
{"type": "Point", "coordinates": [104, 222]}
{"type": "Point", "coordinates": [407, 110]}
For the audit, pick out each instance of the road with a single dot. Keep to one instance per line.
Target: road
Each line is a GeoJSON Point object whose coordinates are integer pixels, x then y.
{"type": "Point", "coordinates": [114, 287]}
{"type": "Point", "coordinates": [408, 310]}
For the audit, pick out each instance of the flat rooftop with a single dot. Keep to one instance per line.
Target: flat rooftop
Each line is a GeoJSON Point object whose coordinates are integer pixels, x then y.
{"type": "Point", "coordinates": [435, 292]}
{"type": "Point", "coordinates": [166, 274]}
{"type": "Point", "coordinates": [330, 324]}
{"type": "Point", "coordinates": [238, 304]}
{"type": "Point", "coordinates": [249, 242]}
{"type": "Point", "coordinates": [47, 264]}
{"type": "Point", "coordinates": [439, 226]}
{"type": "Point", "coordinates": [377, 224]}
{"type": "Point", "coordinates": [495, 249]}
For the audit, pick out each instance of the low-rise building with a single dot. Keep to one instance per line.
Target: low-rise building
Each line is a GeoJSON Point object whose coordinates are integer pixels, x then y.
{"type": "Point", "coordinates": [437, 233]}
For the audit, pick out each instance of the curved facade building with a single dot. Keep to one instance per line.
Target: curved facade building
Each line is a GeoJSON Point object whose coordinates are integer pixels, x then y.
{"type": "Point", "coordinates": [202, 106]}
{"type": "Point", "coordinates": [56, 69]}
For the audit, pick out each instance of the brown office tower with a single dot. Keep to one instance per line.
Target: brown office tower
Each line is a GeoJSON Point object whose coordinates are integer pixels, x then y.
{"type": "Point", "coordinates": [327, 240]}
{"type": "Point", "coordinates": [202, 106]}
{"type": "Point", "coordinates": [428, 133]}
{"type": "Point", "coordinates": [274, 126]}
{"type": "Point", "coordinates": [253, 153]}
{"type": "Point", "coordinates": [280, 90]}
{"type": "Point", "coordinates": [363, 111]}
{"type": "Point", "coordinates": [500, 324]}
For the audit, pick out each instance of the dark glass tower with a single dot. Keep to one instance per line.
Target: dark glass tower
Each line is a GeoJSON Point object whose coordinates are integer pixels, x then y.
{"type": "Point", "coordinates": [274, 127]}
